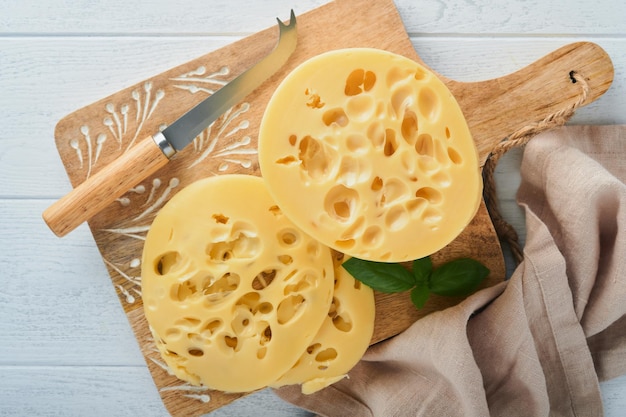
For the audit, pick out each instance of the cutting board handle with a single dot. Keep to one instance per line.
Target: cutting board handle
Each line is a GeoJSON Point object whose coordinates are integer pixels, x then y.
{"type": "Point", "coordinates": [496, 108]}
{"type": "Point", "coordinates": [101, 189]}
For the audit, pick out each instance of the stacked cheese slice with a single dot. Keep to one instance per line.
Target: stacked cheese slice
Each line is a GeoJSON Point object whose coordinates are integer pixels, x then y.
{"type": "Point", "coordinates": [238, 298]}
{"type": "Point", "coordinates": [378, 152]}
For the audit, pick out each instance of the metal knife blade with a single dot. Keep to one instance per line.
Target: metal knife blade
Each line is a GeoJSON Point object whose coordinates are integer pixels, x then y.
{"type": "Point", "coordinates": [180, 133]}
{"type": "Point", "coordinates": [147, 156]}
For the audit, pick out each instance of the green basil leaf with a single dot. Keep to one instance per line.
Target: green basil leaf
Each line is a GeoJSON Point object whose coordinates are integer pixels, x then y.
{"type": "Point", "coordinates": [380, 276]}
{"type": "Point", "coordinates": [458, 277]}
{"type": "Point", "coordinates": [422, 268]}
{"type": "Point", "coordinates": [420, 294]}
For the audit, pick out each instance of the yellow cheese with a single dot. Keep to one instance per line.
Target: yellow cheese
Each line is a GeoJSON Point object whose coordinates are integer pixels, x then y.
{"type": "Point", "coordinates": [368, 152]}
{"type": "Point", "coordinates": [341, 341]}
{"type": "Point", "coordinates": [233, 291]}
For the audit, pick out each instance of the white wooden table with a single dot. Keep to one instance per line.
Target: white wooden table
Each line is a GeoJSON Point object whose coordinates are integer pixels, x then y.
{"type": "Point", "coordinates": [66, 348]}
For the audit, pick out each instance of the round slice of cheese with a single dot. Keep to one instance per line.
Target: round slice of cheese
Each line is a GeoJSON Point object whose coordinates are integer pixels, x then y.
{"type": "Point", "coordinates": [233, 291]}
{"type": "Point", "coordinates": [368, 152]}
{"type": "Point", "coordinates": [341, 341]}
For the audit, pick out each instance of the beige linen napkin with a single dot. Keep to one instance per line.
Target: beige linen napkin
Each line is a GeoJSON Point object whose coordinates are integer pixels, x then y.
{"type": "Point", "coordinates": [538, 344]}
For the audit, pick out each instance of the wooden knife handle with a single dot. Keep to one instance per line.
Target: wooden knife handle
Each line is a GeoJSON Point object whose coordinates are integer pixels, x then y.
{"type": "Point", "coordinates": [101, 189]}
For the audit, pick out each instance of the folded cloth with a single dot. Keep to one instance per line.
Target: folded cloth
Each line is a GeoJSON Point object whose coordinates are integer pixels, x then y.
{"type": "Point", "coordinates": [537, 344]}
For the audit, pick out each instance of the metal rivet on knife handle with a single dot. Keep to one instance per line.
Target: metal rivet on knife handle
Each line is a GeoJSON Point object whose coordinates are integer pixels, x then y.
{"type": "Point", "coordinates": [151, 154]}
{"type": "Point", "coordinates": [164, 145]}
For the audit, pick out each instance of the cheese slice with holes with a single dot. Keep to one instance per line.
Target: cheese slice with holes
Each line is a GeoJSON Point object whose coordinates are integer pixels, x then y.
{"type": "Point", "coordinates": [368, 152]}
{"type": "Point", "coordinates": [233, 291]}
{"type": "Point", "coordinates": [341, 341]}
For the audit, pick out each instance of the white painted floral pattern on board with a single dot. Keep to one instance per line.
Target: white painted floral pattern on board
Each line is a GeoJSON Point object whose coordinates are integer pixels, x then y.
{"type": "Point", "coordinates": [225, 145]}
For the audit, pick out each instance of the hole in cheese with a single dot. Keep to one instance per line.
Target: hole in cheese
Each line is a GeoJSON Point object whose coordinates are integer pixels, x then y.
{"type": "Point", "coordinates": [275, 210]}
{"type": "Point", "coordinates": [428, 165]}
{"type": "Point", "coordinates": [195, 338]}
{"type": "Point", "coordinates": [397, 74]}
{"type": "Point", "coordinates": [340, 321]}
{"type": "Point", "coordinates": [341, 202]}
{"type": "Point", "coordinates": [264, 279]}
{"type": "Point", "coordinates": [187, 323]}
{"type": "Point", "coordinates": [285, 259]}
{"type": "Point", "coordinates": [432, 216]}
{"type": "Point", "coordinates": [401, 98]}
{"type": "Point", "coordinates": [356, 230]}
{"type": "Point", "coordinates": [314, 100]}
{"type": "Point", "coordinates": [184, 290]}
{"type": "Point", "coordinates": [393, 191]}
{"type": "Point", "coordinates": [240, 246]}
{"type": "Point", "coordinates": [373, 236]}
{"type": "Point", "coordinates": [266, 336]}
{"type": "Point", "coordinates": [429, 194]}
{"type": "Point", "coordinates": [429, 104]}
{"type": "Point", "coordinates": [308, 279]}
{"type": "Point", "coordinates": [416, 206]}
{"type": "Point", "coordinates": [173, 333]}
{"type": "Point", "coordinates": [360, 108]}
{"type": "Point", "coordinates": [337, 116]}
{"type": "Point", "coordinates": [211, 327]}
{"type": "Point", "coordinates": [326, 355]}
{"type": "Point", "coordinates": [353, 170]}
{"type": "Point", "coordinates": [425, 146]}
{"type": "Point", "coordinates": [167, 262]}
{"type": "Point", "coordinates": [288, 237]}
{"type": "Point", "coordinates": [409, 126]}
{"type": "Point", "coordinates": [249, 300]}
{"type": "Point", "coordinates": [264, 308]}
{"type": "Point", "coordinates": [290, 275]}
{"type": "Point", "coordinates": [420, 74]}
{"type": "Point", "coordinates": [357, 143]}
{"type": "Point", "coordinates": [316, 158]}
{"type": "Point", "coordinates": [408, 164]}
{"type": "Point", "coordinates": [241, 323]}
{"type": "Point", "coordinates": [231, 342]}
{"type": "Point", "coordinates": [377, 184]}
{"type": "Point", "coordinates": [390, 142]}
{"type": "Point", "coordinates": [376, 134]}
{"type": "Point", "coordinates": [286, 160]}
{"type": "Point", "coordinates": [396, 218]}
{"type": "Point", "coordinates": [195, 352]}
{"type": "Point", "coordinates": [288, 308]}
{"type": "Point", "coordinates": [454, 156]}
{"type": "Point", "coordinates": [224, 286]}
{"type": "Point", "coordinates": [345, 244]}
{"type": "Point", "coordinates": [359, 81]}
{"type": "Point", "coordinates": [441, 179]}
{"type": "Point", "coordinates": [313, 249]}
{"type": "Point", "coordinates": [313, 348]}
{"type": "Point", "coordinates": [220, 218]}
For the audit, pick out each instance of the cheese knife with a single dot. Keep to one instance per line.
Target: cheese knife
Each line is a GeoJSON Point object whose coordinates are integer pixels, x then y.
{"type": "Point", "coordinates": [151, 154]}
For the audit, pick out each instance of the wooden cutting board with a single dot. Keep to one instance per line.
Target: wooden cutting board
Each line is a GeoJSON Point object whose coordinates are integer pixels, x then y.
{"type": "Point", "coordinates": [94, 135]}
